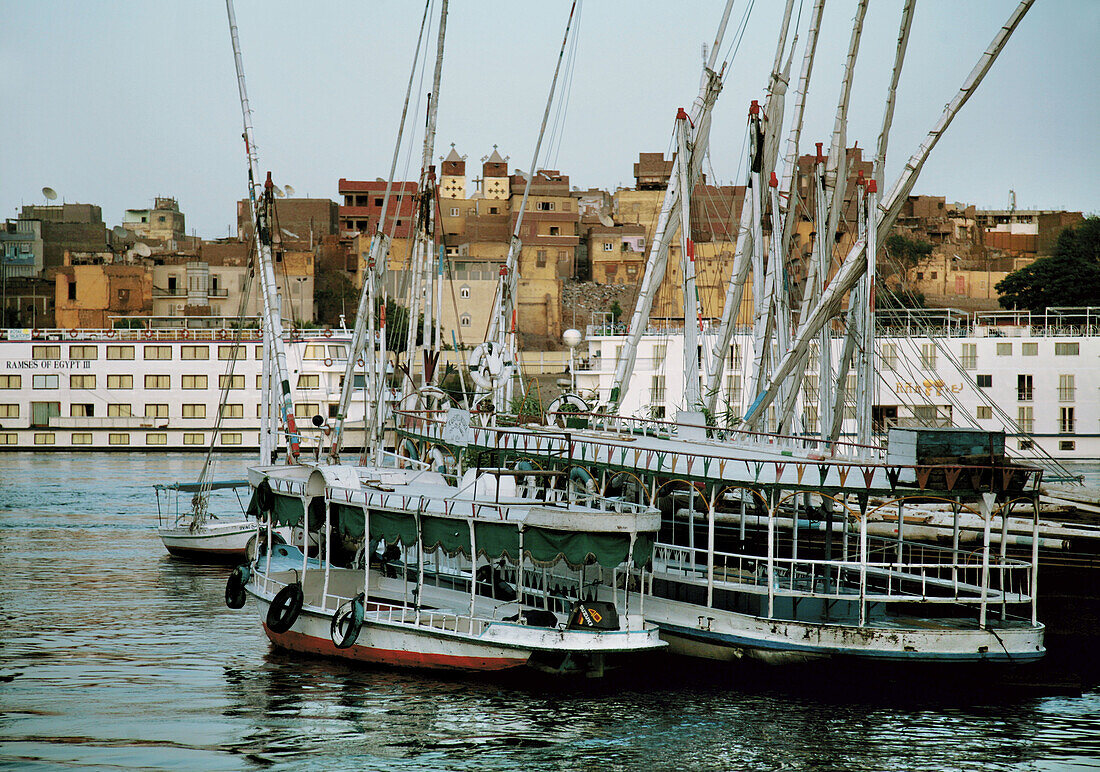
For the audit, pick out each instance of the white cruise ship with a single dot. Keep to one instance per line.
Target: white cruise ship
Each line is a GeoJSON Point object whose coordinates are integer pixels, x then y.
{"type": "Point", "coordinates": [1036, 377]}
{"type": "Point", "coordinates": [159, 389]}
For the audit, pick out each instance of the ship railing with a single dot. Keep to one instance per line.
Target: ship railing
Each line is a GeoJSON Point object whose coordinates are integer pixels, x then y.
{"type": "Point", "coordinates": [436, 619]}
{"type": "Point", "coordinates": [879, 580]}
{"type": "Point", "coordinates": [164, 334]}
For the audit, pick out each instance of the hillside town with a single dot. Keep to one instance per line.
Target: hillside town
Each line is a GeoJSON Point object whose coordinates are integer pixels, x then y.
{"type": "Point", "coordinates": [583, 254]}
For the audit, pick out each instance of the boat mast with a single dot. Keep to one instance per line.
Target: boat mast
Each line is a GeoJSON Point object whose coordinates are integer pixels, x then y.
{"type": "Point", "coordinates": [854, 264]}
{"type": "Point", "coordinates": [260, 213]}
{"type": "Point", "coordinates": [692, 319]}
{"type": "Point", "coordinates": [364, 331]}
{"type": "Point", "coordinates": [669, 218]}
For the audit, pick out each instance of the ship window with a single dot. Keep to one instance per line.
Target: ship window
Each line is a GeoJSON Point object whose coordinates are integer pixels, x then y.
{"type": "Point", "coordinates": [9, 411]}
{"type": "Point", "coordinates": [337, 352]}
{"type": "Point", "coordinates": [158, 352]}
{"type": "Point", "coordinates": [233, 411]}
{"type": "Point", "coordinates": [45, 381]}
{"type": "Point", "coordinates": [193, 438]}
{"type": "Point", "coordinates": [194, 381]}
{"type": "Point", "coordinates": [969, 356]}
{"type": "Point", "coordinates": [1030, 349]}
{"type": "Point", "coordinates": [226, 352]}
{"type": "Point", "coordinates": [1025, 417]}
{"type": "Point", "coordinates": [46, 352]}
{"type": "Point", "coordinates": [121, 381]}
{"type": "Point", "coordinates": [81, 410]}
{"type": "Point", "coordinates": [81, 381]}
{"type": "Point", "coordinates": [232, 438]}
{"type": "Point", "coordinates": [314, 351]}
{"type": "Point", "coordinates": [230, 382]}
{"type": "Point", "coordinates": [1024, 445]}
{"type": "Point", "coordinates": [259, 381]}
{"type": "Point", "coordinates": [984, 412]}
{"type": "Point", "coordinates": [1067, 445]}
{"type": "Point", "coordinates": [44, 438]}
{"type": "Point", "coordinates": [1004, 349]}
{"type": "Point", "coordinates": [11, 381]}
{"type": "Point", "coordinates": [118, 438]}
{"type": "Point", "coordinates": [119, 410]}
{"type": "Point", "coordinates": [1025, 387]}
{"type": "Point", "coordinates": [83, 352]}
{"type": "Point", "coordinates": [1067, 387]}
{"type": "Point", "coordinates": [309, 381]}
{"type": "Point", "coordinates": [154, 410]}
{"type": "Point", "coordinates": [194, 352]}
{"type": "Point", "coordinates": [304, 409]}
{"type": "Point", "coordinates": [928, 356]}
{"type": "Point", "coordinates": [985, 381]}
{"type": "Point", "coordinates": [1067, 349]}
{"type": "Point", "coordinates": [163, 381]}
{"type": "Point", "coordinates": [9, 438]}
{"type": "Point", "coordinates": [259, 352]}
{"type": "Point", "coordinates": [193, 410]}
{"type": "Point", "coordinates": [82, 438]}
{"type": "Point", "coordinates": [1066, 420]}
{"type": "Point", "coordinates": [156, 438]}
{"type": "Point", "coordinates": [120, 352]}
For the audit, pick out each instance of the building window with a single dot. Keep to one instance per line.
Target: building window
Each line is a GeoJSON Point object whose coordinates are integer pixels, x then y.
{"type": "Point", "coordinates": [194, 352]}
{"type": "Point", "coordinates": [82, 438]}
{"type": "Point", "coordinates": [232, 438]}
{"type": "Point", "coordinates": [226, 352]}
{"type": "Point", "coordinates": [194, 381]}
{"type": "Point", "coordinates": [44, 438]}
{"type": "Point", "coordinates": [156, 438]}
{"type": "Point", "coordinates": [985, 381]}
{"type": "Point", "coordinates": [454, 211]}
{"type": "Point", "coordinates": [164, 381]}
{"type": "Point", "coordinates": [985, 412]}
{"type": "Point", "coordinates": [928, 356]}
{"type": "Point", "coordinates": [540, 258]}
{"type": "Point", "coordinates": [1025, 390]}
{"type": "Point", "coordinates": [81, 381]}
{"type": "Point", "coordinates": [118, 438]}
{"type": "Point", "coordinates": [1030, 349]}
{"type": "Point", "coordinates": [45, 352]}
{"type": "Point", "coordinates": [608, 246]}
{"type": "Point", "coordinates": [1004, 349]}
{"type": "Point", "coordinates": [83, 352]}
{"type": "Point", "coordinates": [157, 352]}
{"type": "Point", "coordinates": [1067, 349]}
{"type": "Point", "coordinates": [969, 356]}
{"type": "Point", "coordinates": [309, 381]}
{"type": "Point", "coordinates": [120, 352]}
{"type": "Point", "coordinates": [9, 411]}
{"type": "Point", "coordinates": [555, 230]}
{"type": "Point", "coordinates": [232, 411]}
{"type": "Point", "coordinates": [464, 292]}
{"type": "Point", "coordinates": [545, 206]}
{"type": "Point", "coordinates": [121, 381]}
{"type": "Point", "coordinates": [193, 438]}
{"type": "Point", "coordinates": [464, 320]}
{"type": "Point", "coordinates": [153, 410]}
{"type": "Point", "coordinates": [78, 410]}
{"type": "Point", "coordinates": [1066, 420]}
{"type": "Point", "coordinates": [193, 410]}
{"type": "Point", "coordinates": [11, 381]}
{"type": "Point", "coordinates": [230, 382]}
{"type": "Point", "coordinates": [1025, 417]}
{"type": "Point", "coordinates": [45, 381]}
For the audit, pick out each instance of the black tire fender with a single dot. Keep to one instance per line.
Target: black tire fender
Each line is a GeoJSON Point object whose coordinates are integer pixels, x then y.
{"type": "Point", "coordinates": [347, 621]}
{"type": "Point", "coordinates": [285, 608]}
{"type": "Point", "coordinates": [235, 594]}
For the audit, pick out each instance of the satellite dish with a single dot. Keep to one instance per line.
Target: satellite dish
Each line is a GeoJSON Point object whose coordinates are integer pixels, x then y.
{"type": "Point", "coordinates": [119, 231]}
{"type": "Point", "coordinates": [50, 194]}
{"type": "Point", "coordinates": [142, 249]}
{"type": "Point", "coordinates": [606, 220]}
{"type": "Point", "coordinates": [288, 233]}
{"type": "Point", "coordinates": [288, 190]}
{"type": "Point", "coordinates": [278, 191]}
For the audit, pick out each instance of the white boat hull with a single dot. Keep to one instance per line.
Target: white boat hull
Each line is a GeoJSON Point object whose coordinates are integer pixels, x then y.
{"type": "Point", "coordinates": [215, 541]}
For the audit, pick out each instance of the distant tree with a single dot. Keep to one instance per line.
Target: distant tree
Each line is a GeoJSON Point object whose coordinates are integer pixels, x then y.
{"type": "Point", "coordinates": [615, 310]}
{"type": "Point", "coordinates": [334, 294]}
{"type": "Point", "coordinates": [1069, 277]}
{"type": "Point", "coordinates": [908, 252]}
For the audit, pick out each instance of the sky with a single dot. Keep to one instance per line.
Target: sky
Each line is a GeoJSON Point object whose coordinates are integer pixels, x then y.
{"type": "Point", "coordinates": [113, 103]}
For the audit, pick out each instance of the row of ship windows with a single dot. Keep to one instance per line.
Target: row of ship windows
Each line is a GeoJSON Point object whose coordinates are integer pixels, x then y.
{"type": "Point", "coordinates": [122, 438]}
{"type": "Point", "coordinates": [121, 381]}
{"type": "Point", "coordinates": [42, 411]}
{"type": "Point", "coordinates": [152, 352]}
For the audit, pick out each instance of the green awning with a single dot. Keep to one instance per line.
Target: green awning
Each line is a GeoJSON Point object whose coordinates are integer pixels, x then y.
{"type": "Point", "coordinates": [496, 540]}
{"type": "Point", "coordinates": [392, 528]}
{"type": "Point", "coordinates": [288, 510]}
{"type": "Point", "coordinates": [349, 520]}
{"type": "Point", "coordinates": [452, 535]}
{"type": "Point", "coordinates": [577, 549]}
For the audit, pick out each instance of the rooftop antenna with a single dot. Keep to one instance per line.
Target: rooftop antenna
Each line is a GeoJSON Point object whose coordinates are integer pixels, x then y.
{"type": "Point", "coordinates": [49, 193]}
{"type": "Point", "coordinates": [278, 191]}
{"type": "Point", "coordinates": [1012, 200]}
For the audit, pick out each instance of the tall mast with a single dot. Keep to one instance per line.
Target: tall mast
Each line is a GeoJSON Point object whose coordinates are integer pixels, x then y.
{"type": "Point", "coordinates": [260, 213]}
{"type": "Point", "coordinates": [854, 264]}
{"type": "Point", "coordinates": [669, 218]}
{"type": "Point", "coordinates": [687, 266]}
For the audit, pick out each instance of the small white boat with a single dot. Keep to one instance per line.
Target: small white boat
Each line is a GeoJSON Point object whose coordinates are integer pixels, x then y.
{"type": "Point", "coordinates": [200, 535]}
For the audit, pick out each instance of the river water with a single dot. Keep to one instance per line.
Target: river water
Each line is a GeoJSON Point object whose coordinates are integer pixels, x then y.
{"type": "Point", "coordinates": [115, 656]}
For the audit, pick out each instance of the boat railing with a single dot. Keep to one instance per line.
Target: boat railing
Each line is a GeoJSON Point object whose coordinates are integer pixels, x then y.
{"type": "Point", "coordinates": [436, 619]}
{"type": "Point", "coordinates": [165, 334]}
{"type": "Point", "coordinates": [882, 578]}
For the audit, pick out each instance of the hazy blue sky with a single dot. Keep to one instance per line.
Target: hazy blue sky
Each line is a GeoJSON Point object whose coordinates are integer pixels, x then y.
{"type": "Point", "coordinates": [115, 102]}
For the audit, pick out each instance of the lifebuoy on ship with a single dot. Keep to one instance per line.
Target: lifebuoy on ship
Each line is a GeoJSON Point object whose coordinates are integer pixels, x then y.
{"type": "Point", "coordinates": [285, 608]}
{"type": "Point", "coordinates": [328, 332]}
{"type": "Point", "coordinates": [328, 361]}
{"type": "Point", "coordinates": [235, 594]}
{"type": "Point", "coordinates": [486, 365]}
{"type": "Point", "coordinates": [347, 622]}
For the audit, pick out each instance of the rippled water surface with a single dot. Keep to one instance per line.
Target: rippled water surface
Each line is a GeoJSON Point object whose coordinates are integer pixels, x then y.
{"type": "Point", "coordinates": [115, 656]}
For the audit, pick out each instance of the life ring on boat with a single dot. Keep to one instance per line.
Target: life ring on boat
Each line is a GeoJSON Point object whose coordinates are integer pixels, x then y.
{"type": "Point", "coordinates": [557, 412]}
{"type": "Point", "coordinates": [328, 361]}
{"type": "Point", "coordinates": [110, 333]}
{"type": "Point", "coordinates": [360, 362]}
{"type": "Point", "coordinates": [72, 333]}
{"type": "Point", "coordinates": [234, 587]}
{"type": "Point", "coordinates": [285, 608]}
{"type": "Point", "coordinates": [347, 622]}
{"type": "Point", "coordinates": [147, 333]}
{"type": "Point", "coordinates": [486, 365]}
{"type": "Point", "coordinates": [328, 332]}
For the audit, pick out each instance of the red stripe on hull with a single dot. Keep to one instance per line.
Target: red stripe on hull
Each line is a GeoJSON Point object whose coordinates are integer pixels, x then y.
{"type": "Point", "coordinates": [307, 644]}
